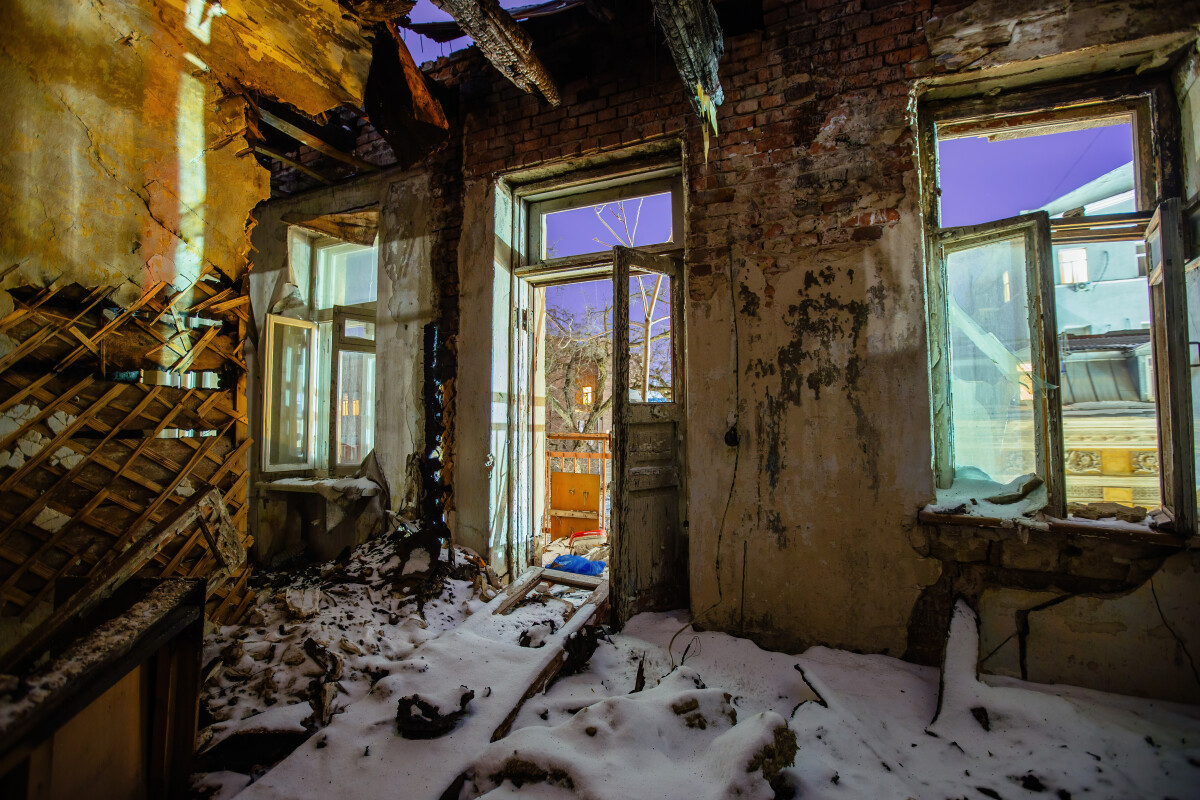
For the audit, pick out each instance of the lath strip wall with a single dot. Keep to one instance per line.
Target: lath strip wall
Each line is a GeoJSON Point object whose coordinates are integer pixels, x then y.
{"type": "Point", "coordinates": [89, 464]}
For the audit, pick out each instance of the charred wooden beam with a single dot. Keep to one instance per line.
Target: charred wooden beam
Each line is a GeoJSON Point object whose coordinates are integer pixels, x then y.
{"type": "Point", "coordinates": [694, 37]}
{"type": "Point", "coordinates": [359, 226]}
{"type": "Point", "coordinates": [448, 31]}
{"type": "Point", "coordinates": [288, 162]}
{"type": "Point", "coordinates": [399, 102]}
{"type": "Point", "coordinates": [374, 11]}
{"type": "Point", "coordinates": [501, 39]}
{"type": "Point", "coordinates": [313, 141]}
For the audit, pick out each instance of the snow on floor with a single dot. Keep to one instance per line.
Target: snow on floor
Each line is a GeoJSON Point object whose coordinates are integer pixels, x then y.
{"type": "Point", "coordinates": [483, 668]}
{"type": "Point", "coordinates": [869, 740]}
{"type": "Point", "coordinates": [719, 717]}
{"type": "Point", "coordinates": [259, 675]}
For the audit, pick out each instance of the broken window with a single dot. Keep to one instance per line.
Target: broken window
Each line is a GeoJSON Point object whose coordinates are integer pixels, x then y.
{"type": "Point", "coordinates": [1046, 344]}
{"type": "Point", "coordinates": [320, 368]}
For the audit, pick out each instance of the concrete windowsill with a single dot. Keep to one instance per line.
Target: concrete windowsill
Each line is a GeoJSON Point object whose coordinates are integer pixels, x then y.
{"type": "Point", "coordinates": [320, 486]}
{"type": "Point", "coordinates": [1106, 529]}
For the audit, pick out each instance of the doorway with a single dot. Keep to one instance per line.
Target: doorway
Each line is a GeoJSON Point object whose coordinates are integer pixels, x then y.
{"type": "Point", "coordinates": [596, 420]}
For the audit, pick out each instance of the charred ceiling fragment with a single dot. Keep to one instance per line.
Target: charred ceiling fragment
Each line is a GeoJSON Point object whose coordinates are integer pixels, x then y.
{"type": "Point", "coordinates": [694, 37]}
{"type": "Point", "coordinates": [399, 101]}
{"type": "Point", "coordinates": [508, 47]}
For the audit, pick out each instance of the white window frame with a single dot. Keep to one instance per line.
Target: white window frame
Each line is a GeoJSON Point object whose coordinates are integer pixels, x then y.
{"type": "Point", "coordinates": [269, 378]}
{"type": "Point", "coordinates": [341, 343]}
{"type": "Point", "coordinates": [325, 326]}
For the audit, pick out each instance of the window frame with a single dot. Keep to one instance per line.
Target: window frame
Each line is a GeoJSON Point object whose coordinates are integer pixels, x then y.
{"type": "Point", "coordinates": [326, 338]}
{"type": "Point", "coordinates": [272, 321]}
{"type": "Point", "coordinates": [1150, 105]}
{"type": "Point", "coordinates": [581, 188]}
{"type": "Point", "coordinates": [340, 343]}
{"type": "Point", "coordinates": [1035, 232]}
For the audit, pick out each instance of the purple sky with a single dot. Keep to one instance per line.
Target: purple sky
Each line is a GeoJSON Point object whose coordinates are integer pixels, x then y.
{"type": "Point", "coordinates": [425, 49]}
{"type": "Point", "coordinates": [983, 181]}
{"type": "Point", "coordinates": [575, 232]}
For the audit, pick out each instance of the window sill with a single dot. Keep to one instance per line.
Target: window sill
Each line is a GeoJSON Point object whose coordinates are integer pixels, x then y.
{"type": "Point", "coordinates": [362, 487]}
{"type": "Point", "coordinates": [1071, 527]}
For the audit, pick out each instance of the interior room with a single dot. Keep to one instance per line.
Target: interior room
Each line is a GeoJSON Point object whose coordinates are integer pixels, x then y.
{"type": "Point", "coordinates": [463, 399]}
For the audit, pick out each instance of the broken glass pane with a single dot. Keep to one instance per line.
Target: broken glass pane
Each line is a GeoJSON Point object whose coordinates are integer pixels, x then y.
{"type": "Point", "coordinates": [991, 373]}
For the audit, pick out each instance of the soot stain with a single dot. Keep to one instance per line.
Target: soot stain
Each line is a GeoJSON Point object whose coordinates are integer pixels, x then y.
{"type": "Point", "coordinates": [818, 323]}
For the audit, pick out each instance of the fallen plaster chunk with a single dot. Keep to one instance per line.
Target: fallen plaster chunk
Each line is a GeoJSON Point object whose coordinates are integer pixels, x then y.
{"type": "Point", "coordinates": [50, 520]}
{"type": "Point", "coordinates": [1016, 489]}
{"type": "Point", "coordinates": [59, 420]}
{"type": "Point", "coordinates": [303, 602]}
{"type": "Point", "coordinates": [65, 457]}
{"type": "Point", "coordinates": [16, 417]}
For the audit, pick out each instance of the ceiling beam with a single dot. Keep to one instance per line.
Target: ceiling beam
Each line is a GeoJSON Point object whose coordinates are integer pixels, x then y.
{"type": "Point", "coordinates": [696, 43]}
{"type": "Point", "coordinates": [315, 142]}
{"type": "Point", "coordinates": [289, 162]}
{"type": "Point", "coordinates": [504, 43]}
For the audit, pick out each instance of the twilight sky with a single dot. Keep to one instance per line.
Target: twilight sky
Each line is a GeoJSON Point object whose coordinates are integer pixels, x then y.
{"type": "Point", "coordinates": [983, 181]}
{"type": "Point", "coordinates": [424, 49]}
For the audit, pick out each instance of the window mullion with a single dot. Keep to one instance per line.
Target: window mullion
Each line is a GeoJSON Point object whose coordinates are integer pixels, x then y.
{"type": "Point", "coordinates": [1044, 333]}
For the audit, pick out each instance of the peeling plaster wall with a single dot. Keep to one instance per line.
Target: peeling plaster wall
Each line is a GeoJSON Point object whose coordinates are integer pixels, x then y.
{"type": "Point", "coordinates": [113, 143]}
{"type": "Point", "coordinates": [124, 161]}
{"type": "Point", "coordinates": [406, 305]}
{"type": "Point", "coordinates": [1141, 643]}
{"type": "Point", "coordinates": [834, 432]}
{"type": "Point", "coordinates": [404, 284]}
{"type": "Point", "coordinates": [480, 487]}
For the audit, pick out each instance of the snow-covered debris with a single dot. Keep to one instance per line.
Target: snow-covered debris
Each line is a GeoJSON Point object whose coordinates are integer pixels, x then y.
{"type": "Point", "coordinates": [864, 735]}
{"type": "Point", "coordinates": [318, 640]}
{"type": "Point", "coordinates": [462, 687]}
{"type": "Point", "coordinates": [996, 737]}
{"type": "Point", "coordinates": [664, 712]}
{"type": "Point", "coordinates": [677, 739]}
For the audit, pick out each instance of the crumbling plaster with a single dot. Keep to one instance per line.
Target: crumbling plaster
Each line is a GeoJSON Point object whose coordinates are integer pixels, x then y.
{"type": "Point", "coordinates": [834, 437]}
{"type": "Point", "coordinates": [1141, 643]}
{"type": "Point", "coordinates": [480, 519]}
{"type": "Point", "coordinates": [124, 159]}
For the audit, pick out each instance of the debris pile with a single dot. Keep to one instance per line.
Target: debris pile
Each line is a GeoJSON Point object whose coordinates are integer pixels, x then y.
{"type": "Point", "coordinates": [317, 640]}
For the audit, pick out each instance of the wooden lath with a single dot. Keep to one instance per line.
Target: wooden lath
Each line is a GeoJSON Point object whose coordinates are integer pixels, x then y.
{"type": "Point", "coordinates": [110, 471]}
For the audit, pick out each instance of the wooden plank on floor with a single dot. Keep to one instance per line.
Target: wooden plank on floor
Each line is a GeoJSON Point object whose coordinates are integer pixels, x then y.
{"type": "Point", "coordinates": [517, 590]}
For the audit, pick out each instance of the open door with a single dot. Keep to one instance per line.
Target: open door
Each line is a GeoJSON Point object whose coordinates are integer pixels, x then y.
{"type": "Point", "coordinates": [1172, 374]}
{"type": "Point", "coordinates": [649, 518]}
